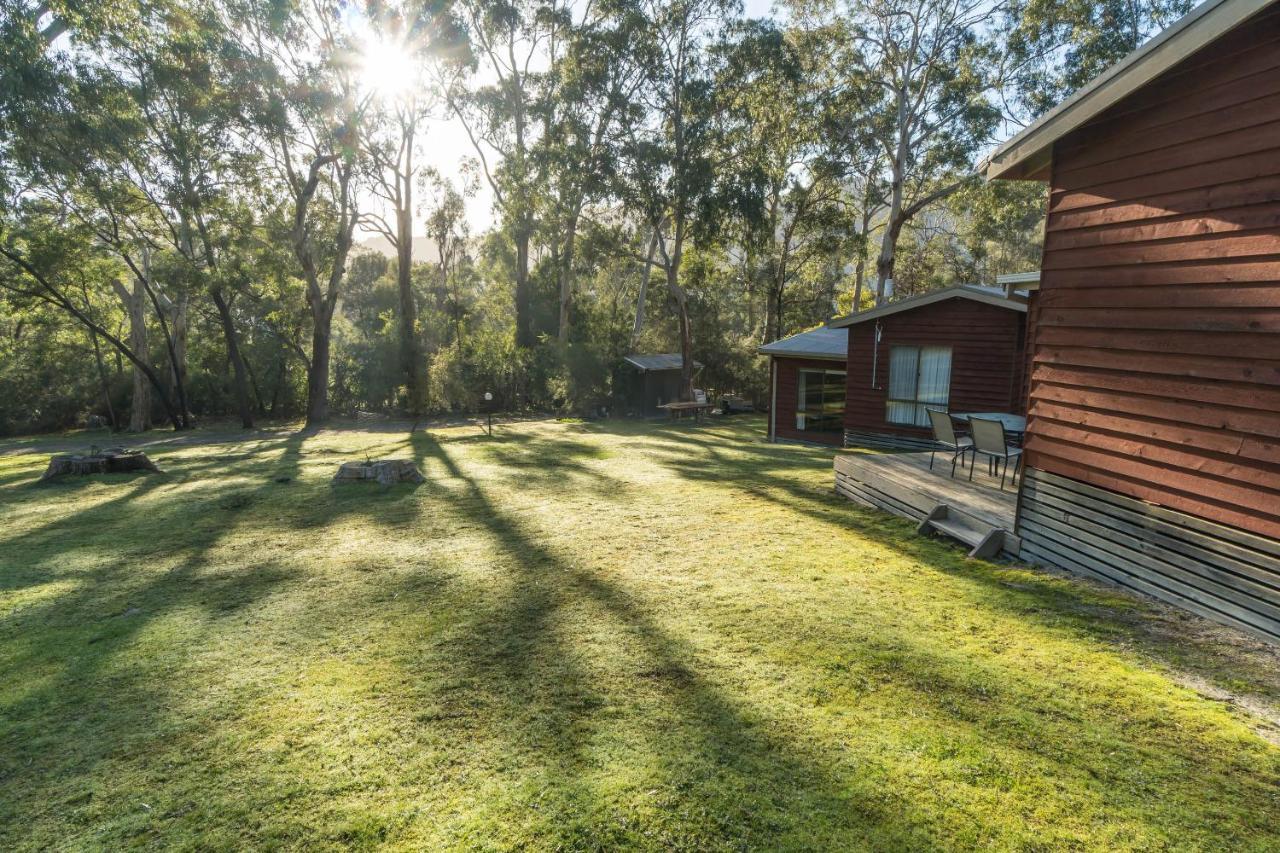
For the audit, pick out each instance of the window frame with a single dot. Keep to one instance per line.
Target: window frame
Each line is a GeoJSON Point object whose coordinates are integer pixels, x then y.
{"type": "Point", "coordinates": [919, 408]}
{"type": "Point", "coordinates": [823, 414]}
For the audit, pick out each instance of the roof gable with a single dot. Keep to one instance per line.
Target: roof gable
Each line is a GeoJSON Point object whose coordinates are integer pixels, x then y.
{"type": "Point", "coordinates": [977, 293]}
{"type": "Point", "coordinates": [1027, 155]}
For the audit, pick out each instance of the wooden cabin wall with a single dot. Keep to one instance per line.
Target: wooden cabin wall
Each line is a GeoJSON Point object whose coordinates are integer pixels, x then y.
{"type": "Point", "coordinates": [987, 361]}
{"type": "Point", "coordinates": [1156, 343]}
{"type": "Point", "coordinates": [787, 399]}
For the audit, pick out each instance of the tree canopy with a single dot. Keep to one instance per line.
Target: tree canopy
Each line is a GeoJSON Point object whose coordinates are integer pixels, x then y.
{"type": "Point", "coordinates": [244, 207]}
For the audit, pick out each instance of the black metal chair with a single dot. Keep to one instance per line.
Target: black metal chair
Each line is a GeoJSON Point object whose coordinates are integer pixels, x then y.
{"type": "Point", "coordinates": [989, 440]}
{"type": "Point", "coordinates": [945, 438]}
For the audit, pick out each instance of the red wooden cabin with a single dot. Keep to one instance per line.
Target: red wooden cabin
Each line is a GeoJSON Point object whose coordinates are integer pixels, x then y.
{"type": "Point", "coordinates": [1153, 443]}
{"type": "Point", "coordinates": [959, 349]}
{"type": "Point", "coordinates": [807, 380]}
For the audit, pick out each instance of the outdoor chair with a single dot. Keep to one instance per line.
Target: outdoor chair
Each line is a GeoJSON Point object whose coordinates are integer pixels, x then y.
{"type": "Point", "coordinates": [945, 438]}
{"type": "Point", "coordinates": [990, 441]}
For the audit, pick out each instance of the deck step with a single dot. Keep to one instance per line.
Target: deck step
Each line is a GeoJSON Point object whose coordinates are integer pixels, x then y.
{"type": "Point", "coordinates": [983, 538]}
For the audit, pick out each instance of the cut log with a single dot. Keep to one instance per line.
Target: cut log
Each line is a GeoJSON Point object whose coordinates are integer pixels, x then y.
{"type": "Point", "coordinates": [384, 471]}
{"type": "Point", "coordinates": [115, 460]}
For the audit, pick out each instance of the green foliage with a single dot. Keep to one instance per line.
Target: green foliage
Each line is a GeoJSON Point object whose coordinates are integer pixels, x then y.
{"type": "Point", "coordinates": [221, 155]}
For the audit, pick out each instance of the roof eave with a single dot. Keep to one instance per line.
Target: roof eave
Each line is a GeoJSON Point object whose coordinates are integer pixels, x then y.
{"type": "Point", "coordinates": [1027, 155]}
{"type": "Point", "coordinates": [933, 298]}
{"type": "Point", "coordinates": [823, 356]}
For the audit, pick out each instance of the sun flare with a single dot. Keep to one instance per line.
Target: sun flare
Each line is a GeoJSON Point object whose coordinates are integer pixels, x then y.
{"type": "Point", "coordinates": [387, 69]}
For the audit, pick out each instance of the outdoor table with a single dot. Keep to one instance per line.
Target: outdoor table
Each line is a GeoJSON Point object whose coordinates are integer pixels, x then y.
{"type": "Point", "coordinates": [1014, 424]}
{"type": "Point", "coordinates": [676, 410]}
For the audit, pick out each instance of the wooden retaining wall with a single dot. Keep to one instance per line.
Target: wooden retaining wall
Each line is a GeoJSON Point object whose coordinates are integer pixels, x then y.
{"type": "Point", "coordinates": [1220, 572]}
{"type": "Point", "coordinates": [902, 484]}
{"type": "Point", "coordinates": [886, 441]}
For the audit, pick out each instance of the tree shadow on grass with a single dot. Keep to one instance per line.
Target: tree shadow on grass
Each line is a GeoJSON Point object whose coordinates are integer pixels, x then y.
{"type": "Point", "coordinates": [74, 656]}
{"type": "Point", "coordinates": [719, 760]}
{"type": "Point", "coordinates": [113, 525]}
{"type": "Point", "coordinates": [1051, 599]}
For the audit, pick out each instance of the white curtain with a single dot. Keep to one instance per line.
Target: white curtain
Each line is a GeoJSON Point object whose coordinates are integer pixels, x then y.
{"type": "Point", "coordinates": [919, 380]}
{"type": "Point", "coordinates": [934, 389]}
{"type": "Point", "coordinates": [904, 366]}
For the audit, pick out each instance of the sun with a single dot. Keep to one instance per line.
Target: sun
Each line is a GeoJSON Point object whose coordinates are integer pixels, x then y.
{"type": "Point", "coordinates": [387, 69]}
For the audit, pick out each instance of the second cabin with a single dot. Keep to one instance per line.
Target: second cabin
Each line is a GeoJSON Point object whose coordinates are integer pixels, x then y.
{"type": "Point", "coordinates": [962, 349]}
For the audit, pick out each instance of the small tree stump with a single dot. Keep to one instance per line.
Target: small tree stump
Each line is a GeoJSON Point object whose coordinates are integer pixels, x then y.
{"type": "Point", "coordinates": [384, 471]}
{"type": "Point", "coordinates": [111, 461]}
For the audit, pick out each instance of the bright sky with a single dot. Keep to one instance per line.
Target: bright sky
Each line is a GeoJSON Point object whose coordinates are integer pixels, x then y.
{"type": "Point", "coordinates": [446, 145]}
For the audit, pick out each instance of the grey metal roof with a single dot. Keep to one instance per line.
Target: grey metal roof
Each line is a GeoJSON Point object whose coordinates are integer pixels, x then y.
{"type": "Point", "coordinates": [659, 361]}
{"type": "Point", "coordinates": [822, 342]}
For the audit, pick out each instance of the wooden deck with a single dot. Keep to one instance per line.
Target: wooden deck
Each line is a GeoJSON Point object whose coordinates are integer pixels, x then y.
{"type": "Point", "coordinates": [902, 483]}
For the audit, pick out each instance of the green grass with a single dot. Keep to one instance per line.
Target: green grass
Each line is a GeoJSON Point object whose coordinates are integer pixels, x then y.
{"type": "Point", "coordinates": [577, 636]}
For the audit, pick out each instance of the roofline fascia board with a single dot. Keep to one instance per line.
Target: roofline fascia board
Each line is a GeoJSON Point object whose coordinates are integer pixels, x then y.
{"type": "Point", "coordinates": [929, 299]}
{"type": "Point", "coordinates": [1031, 149]}
{"type": "Point", "coordinates": [821, 356]}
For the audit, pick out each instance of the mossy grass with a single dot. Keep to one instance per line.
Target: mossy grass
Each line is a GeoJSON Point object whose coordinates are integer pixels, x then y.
{"type": "Point", "coordinates": [584, 636]}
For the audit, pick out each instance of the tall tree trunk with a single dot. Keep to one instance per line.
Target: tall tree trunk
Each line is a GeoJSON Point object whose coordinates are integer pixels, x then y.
{"type": "Point", "coordinates": [240, 383]}
{"type": "Point", "coordinates": [566, 276]}
{"type": "Point", "coordinates": [104, 380]}
{"type": "Point", "coordinates": [682, 309]}
{"type": "Point", "coordinates": [524, 297]}
{"type": "Point", "coordinates": [140, 401]}
{"type": "Point", "coordinates": [410, 360]}
{"type": "Point", "coordinates": [644, 286]}
{"type": "Point", "coordinates": [894, 220]}
{"type": "Point", "coordinates": [178, 367]}
{"type": "Point", "coordinates": [318, 370]}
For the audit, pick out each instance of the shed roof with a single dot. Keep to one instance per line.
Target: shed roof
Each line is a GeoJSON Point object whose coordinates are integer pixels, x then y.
{"type": "Point", "coordinates": [976, 292]}
{"type": "Point", "coordinates": [1026, 156]}
{"type": "Point", "coordinates": [822, 342]}
{"type": "Point", "coordinates": [658, 361]}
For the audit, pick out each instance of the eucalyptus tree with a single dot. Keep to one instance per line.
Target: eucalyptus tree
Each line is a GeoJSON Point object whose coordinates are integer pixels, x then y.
{"type": "Point", "coordinates": [806, 206]}
{"type": "Point", "coordinates": [309, 112]}
{"type": "Point", "coordinates": [403, 41]}
{"type": "Point", "coordinates": [494, 91]}
{"type": "Point", "coordinates": [446, 226]}
{"type": "Point", "coordinates": [673, 161]}
{"type": "Point", "coordinates": [1053, 47]}
{"type": "Point", "coordinates": [99, 136]}
{"type": "Point", "coordinates": [594, 78]}
{"type": "Point", "coordinates": [50, 257]}
{"type": "Point", "coordinates": [921, 77]}
{"type": "Point", "coordinates": [192, 167]}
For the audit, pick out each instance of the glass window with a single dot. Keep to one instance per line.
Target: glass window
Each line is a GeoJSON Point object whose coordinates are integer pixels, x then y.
{"type": "Point", "coordinates": [820, 407]}
{"type": "Point", "coordinates": [919, 380]}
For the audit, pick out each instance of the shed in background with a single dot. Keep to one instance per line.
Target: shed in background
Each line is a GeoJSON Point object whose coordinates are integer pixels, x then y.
{"type": "Point", "coordinates": [648, 381]}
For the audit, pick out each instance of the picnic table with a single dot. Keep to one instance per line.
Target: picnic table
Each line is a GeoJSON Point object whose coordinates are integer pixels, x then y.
{"type": "Point", "coordinates": [680, 409]}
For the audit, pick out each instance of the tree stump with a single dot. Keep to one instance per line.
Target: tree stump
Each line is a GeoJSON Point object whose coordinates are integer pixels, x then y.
{"type": "Point", "coordinates": [384, 471]}
{"type": "Point", "coordinates": [113, 460]}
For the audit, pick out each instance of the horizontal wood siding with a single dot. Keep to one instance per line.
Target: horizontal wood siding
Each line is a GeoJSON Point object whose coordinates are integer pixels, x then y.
{"type": "Point", "coordinates": [987, 361]}
{"type": "Point", "coordinates": [1215, 570]}
{"type": "Point", "coordinates": [788, 391]}
{"type": "Point", "coordinates": [1155, 342]}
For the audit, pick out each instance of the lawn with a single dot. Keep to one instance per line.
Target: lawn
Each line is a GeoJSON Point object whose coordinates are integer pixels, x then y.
{"type": "Point", "coordinates": [583, 636]}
